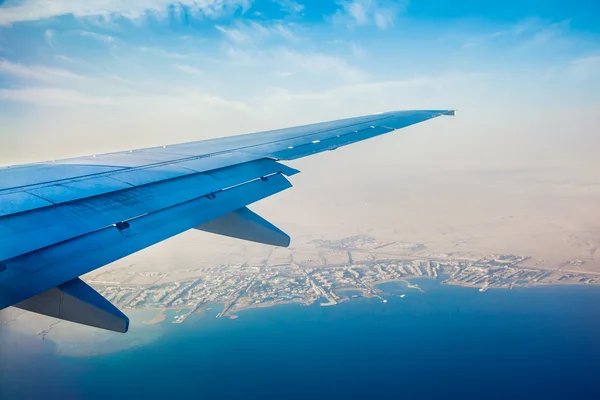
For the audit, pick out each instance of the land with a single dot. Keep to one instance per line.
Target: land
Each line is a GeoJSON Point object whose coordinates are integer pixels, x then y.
{"type": "Point", "coordinates": [322, 270]}
{"type": "Point", "coordinates": [486, 228]}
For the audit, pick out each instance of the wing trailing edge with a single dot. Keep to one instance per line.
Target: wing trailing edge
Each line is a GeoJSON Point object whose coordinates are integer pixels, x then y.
{"type": "Point", "coordinates": [247, 225]}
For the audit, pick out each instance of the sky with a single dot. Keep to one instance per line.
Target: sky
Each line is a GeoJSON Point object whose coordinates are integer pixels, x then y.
{"type": "Point", "coordinates": [516, 170]}
{"type": "Point", "coordinates": [97, 76]}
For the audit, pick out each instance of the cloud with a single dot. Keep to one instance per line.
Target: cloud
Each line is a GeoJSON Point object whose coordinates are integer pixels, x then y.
{"type": "Point", "coordinates": [52, 97]}
{"type": "Point", "coordinates": [34, 10]}
{"type": "Point", "coordinates": [176, 55]}
{"type": "Point", "coordinates": [552, 32]}
{"type": "Point", "coordinates": [317, 63]}
{"type": "Point", "coordinates": [179, 102]}
{"type": "Point", "coordinates": [357, 50]}
{"type": "Point", "coordinates": [527, 34]}
{"type": "Point", "coordinates": [48, 35]}
{"type": "Point", "coordinates": [255, 44]}
{"type": "Point", "coordinates": [64, 58]}
{"type": "Point", "coordinates": [189, 69]}
{"type": "Point", "coordinates": [235, 35]}
{"type": "Point", "coordinates": [251, 32]}
{"type": "Point", "coordinates": [291, 6]}
{"type": "Point", "coordinates": [97, 36]}
{"type": "Point", "coordinates": [164, 53]}
{"type": "Point", "coordinates": [282, 58]}
{"type": "Point", "coordinates": [370, 90]}
{"type": "Point", "coordinates": [585, 67]}
{"type": "Point", "coordinates": [380, 13]}
{"type": "Point", "coordinates": [49, 79]}
{"type": "Point", "coordinates": [37, 72]}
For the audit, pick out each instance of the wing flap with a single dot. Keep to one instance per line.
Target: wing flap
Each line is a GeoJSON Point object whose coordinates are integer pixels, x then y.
{"type": "Point", "coordinates": [128, 159]}
{"type": "Point", "coordinates": [75, 301]}
{"type": "Point", "coordinates": [217, 161]}
{"type": "Point", "coordinates": [247, 225]}
{"type": "Point", "coordinates": [34, 174]}
{"type": "Point", "coordinates": [141, 177]}
{"type": "Point", "coordinates": [65, 192]}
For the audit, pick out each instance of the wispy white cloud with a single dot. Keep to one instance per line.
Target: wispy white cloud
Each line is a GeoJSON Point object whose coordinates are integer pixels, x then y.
{"type": "Point", "coordinates": [180, 101]}
{"type": "Point", "coordinates": [524, 35]}
{"type": "Point", "coordinates": [381, 13]}
{"type": "Point", "coordinates": [555, 38]}
{"type": "Point", "coordinates": [96, 36]}
{"type": "Point", "coordinates": [354, 48]}
{"type": "Point", "coordinates": [48, 35]}
{"type": "Point", "coordinates": [551, 32]}
{"type": "Point", "coordinates": [290, 6]}
{"type": "Point", "coordinates": [317, 63]}
{"type": "Point", "coordinates": [38, 72]}
{"type": "Point", "coordinates": [164, 53]}
{"type": "Point", "coordinates": [51, 81]}
{"type": "Point", "coordinates": [286, 106]}
{"type": "Point", "coordinates": [250, 32]}
{"type": "Point", "coordinates": [357, 50]}
{"type": "Point", "coordinates": [188, 69]}
{"type": "Point", "coordinates": [34, 10]}
{"type": "Point", "coordinates": [369, 90]}
{"type": "Point", "coordinates": [193, 39]}
{"type": "Point", "coordinates": [277, 46]}
{"type": "Point", "coordinates": [585, 67]}
{"type": "Point", "coordinates": [235, 35]}
{"type": "Point", "coordinates": [52, 97]}
{"type": "Point", "coordinates": [64, 58]}
{"type": "Point", "coordinates": [171, 54]}
{"type": "Point", "coordinates": [292, 61]}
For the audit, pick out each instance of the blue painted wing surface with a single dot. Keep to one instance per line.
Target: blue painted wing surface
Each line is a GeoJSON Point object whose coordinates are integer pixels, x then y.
{"type": "Point", "coordinates": [62, 219]}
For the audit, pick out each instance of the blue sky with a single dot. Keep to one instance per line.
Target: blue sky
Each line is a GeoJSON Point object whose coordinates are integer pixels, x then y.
{"type": "Point", "coordinates": [106, 75]}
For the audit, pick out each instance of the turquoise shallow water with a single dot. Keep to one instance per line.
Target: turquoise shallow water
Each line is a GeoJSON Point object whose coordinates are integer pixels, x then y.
{"type": "Point", "coordinates": [447, 342]}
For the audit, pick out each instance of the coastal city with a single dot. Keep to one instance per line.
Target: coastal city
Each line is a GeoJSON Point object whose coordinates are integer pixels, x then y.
{"type": "Point", "coordinates": [239, 287]}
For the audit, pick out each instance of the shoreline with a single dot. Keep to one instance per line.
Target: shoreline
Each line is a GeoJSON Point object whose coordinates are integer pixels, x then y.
{"type": "Point", "coordinates": [365, 292]}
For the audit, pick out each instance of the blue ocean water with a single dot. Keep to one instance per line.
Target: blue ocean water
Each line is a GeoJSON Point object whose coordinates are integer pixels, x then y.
{"type": "Point", "coordinates": [448, 342]}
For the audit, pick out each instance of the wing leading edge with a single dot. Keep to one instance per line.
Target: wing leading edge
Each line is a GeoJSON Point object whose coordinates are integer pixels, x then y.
{"type": "Point", "coordinates": [62, 219]}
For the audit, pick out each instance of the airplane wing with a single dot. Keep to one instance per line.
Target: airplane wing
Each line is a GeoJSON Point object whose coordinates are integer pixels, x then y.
{"type": "Point", "coordinates": [64, 218]}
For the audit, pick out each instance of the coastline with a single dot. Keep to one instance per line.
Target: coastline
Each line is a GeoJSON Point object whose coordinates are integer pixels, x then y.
{"type": "Point", "coordinates": [232, 313]}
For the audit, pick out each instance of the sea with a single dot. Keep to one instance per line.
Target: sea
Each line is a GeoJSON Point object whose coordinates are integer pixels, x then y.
{"type": "Point", "coordinates": [446, 342]}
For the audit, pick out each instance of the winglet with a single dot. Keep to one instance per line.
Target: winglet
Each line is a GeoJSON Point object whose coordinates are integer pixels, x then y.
{"type": "Point", "coordinates": [245, 224]}
{"type": "Point", "coordinates": [75, 301]}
